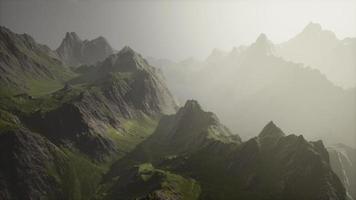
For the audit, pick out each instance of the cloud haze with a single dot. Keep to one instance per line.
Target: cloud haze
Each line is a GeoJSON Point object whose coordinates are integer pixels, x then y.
{"type": "Point", "coordinates": [175, 29]}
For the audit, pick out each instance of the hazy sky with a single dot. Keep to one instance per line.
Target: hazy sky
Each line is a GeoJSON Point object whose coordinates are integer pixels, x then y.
{"type": "Point", "coordinates": [175, 29]}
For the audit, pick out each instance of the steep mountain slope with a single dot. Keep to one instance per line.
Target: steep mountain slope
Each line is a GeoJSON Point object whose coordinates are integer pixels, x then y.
{"type": "Point", "coordinates": [25, 65]}
{"type": "Point", "coordinates": [24, 173]}
{"type": "Point", "coordinates": [96, 111]}
{"type": "Point", "coordinates": [261, 86]}
{"type": "Point", "coordinates": [58, 145]}
{"type": "Point", "coordinates": [189, 129]}
{"type": "Point", "coordinates": [34, 168]}
{"type": "Point", "coordinates": [343, 163]}
{"type": "Point", "coordinates": [74, 51]}
{"type": "Point", "coordinates": [322, 50]}
{"type": "Point", "coordinates": [270, 166]}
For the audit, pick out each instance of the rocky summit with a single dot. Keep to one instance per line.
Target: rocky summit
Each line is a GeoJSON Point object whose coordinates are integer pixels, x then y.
{"type": "Point", "coordinates": [75, 51]}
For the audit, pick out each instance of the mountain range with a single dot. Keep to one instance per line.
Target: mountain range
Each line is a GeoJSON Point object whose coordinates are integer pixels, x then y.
{"type": "Point", "coordinates": [322, 50]}
{"type": "Point", "coordinates": [101, 124]}
{"type": "Point", "coordinates": [269, 166]}
{"type": "Point", "coordinates": [253, 84]}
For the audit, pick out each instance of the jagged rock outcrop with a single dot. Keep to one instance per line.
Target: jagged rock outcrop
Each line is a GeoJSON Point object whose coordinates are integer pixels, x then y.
{"type": "Point", "coordinates": [262, 46]}
{"type": "Point", "coordinates": [74, 51]}
{"type": "Point", "coordinates": [23, 63]}
{"type": "Point", "coordinates": [343, 163]}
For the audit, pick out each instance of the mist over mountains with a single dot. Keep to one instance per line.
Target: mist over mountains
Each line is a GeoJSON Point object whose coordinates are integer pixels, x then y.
{"type": "Point", "coordinates": [260, 122]}
{"type": "Point", "coordinates": [253, 84]}
{"type": "Point", "coordinates": [321, 49]}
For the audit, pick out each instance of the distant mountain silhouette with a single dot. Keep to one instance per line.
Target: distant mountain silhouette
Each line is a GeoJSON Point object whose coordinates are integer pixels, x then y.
{"type": "Point", "coordinates": [252, 85]}
{"type": "Point", "coordinates": [322, 50]}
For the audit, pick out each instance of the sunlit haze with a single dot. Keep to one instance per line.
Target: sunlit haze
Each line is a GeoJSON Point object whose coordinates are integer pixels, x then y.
{"type": "Point", "coordinates": [175, 30]}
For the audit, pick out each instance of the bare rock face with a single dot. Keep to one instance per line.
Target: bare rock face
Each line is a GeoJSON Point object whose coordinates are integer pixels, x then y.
{"type": "Point", "coordinates": [343, 163]}
{"type": "Point", "coordinates": [74, 51]}
{"type": "Point", "coordinates": [26, 159]}
{"type": "Point", "coordinates": [23, 60]}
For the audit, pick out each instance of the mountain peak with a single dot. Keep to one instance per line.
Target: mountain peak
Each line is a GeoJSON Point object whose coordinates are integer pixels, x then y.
{"type": "Point", "coordinates": [216, 55]}
{"type": "Point", "coordinates": [312, 27]}
{"type": "Point", "coordinates": [192, 105]}
{"type": "Point", "coordinates": [262, 38]}
{"type": "Point", "coordinates": [271, 130]}
{"type": "Point", "coordinates": [262, 41]}
{"type": "Point", "coordinates": [262, 46]}
{"type": "Point", "coordinates": [71, 36]}
{"type": "Point", "coordinates": [127, 50]}
{"type": "Point", "coordinates": [191, 108]}
{"type": "Point", "coordinates": [74, 51]}
{"type": "Point", "coordinates": [193, 112]}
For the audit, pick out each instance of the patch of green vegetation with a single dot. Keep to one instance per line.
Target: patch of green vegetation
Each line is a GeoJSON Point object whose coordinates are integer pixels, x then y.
{"type": "Point", "coordinates": [171, 184]}
{"type": "Point", "coordinates": [37, 88]}
{"type": "Point", "coordinates": [25, 103]}
{"type": "Point", "coordinates": [143, 181]}
{"type": "Point", "coordinates": [77, 175]}
{"type": "Point", "coordinates": [64, 174]}
{"type": "Point", "coordinates": [88, 173]}
{"type": "Point", "coordinates": [145, 170]}
{"type": "Point", "coordinates": [132, 133]}
{"type": "Point", "coordinates": [8, 121]}
{"type": "Point", "coordinates": [189, 189]}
